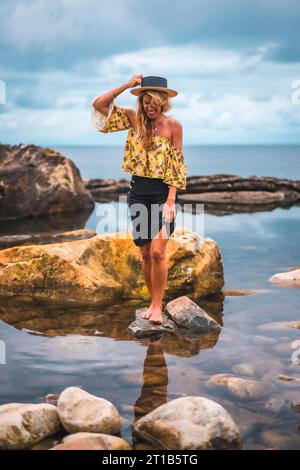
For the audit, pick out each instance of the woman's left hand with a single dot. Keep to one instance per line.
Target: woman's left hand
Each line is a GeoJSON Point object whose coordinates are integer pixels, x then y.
{"type": "Point", "coordinates": [169, 210]}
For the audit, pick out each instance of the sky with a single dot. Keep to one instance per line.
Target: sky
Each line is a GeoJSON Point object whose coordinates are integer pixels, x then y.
{"type": "Point", "coordinates": [235, 65]}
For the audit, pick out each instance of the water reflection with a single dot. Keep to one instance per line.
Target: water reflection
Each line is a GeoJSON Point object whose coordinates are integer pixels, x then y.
{"type": "Point", "coordinates": [51, 319]}
{"type": "Point", "coordinates": [154, 391]}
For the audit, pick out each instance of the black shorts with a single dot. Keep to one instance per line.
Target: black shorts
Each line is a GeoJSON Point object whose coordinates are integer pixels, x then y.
{"type": "Point", "coordinates": [146, 198]}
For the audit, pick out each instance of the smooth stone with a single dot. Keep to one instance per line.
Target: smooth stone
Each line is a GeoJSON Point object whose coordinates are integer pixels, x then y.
{"type": "Point", "coordinates": [24, 425]}
{"type": "Point", "coordinates": [79, 411]}
{"type": "Point", "coordinates": [189, 423]}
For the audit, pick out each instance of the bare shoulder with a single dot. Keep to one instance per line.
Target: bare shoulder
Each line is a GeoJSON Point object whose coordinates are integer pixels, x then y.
{"type": "Point", "coordinates": [131, 115]}
{"type": "Point", "coordinates": [176, 128]}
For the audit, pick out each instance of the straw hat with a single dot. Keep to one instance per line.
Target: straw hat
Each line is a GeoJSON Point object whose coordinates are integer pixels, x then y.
{"type": "Point", "coordinates": [154, 83]}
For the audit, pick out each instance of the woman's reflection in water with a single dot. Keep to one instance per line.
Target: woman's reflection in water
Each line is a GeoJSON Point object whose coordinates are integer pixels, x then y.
{"type": "Point", "coordinates": [155, 380]}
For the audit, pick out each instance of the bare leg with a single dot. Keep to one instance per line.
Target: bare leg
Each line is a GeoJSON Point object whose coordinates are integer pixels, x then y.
{"type": "Point", "coordinates": [146, 268]}
{"type": "Point", "coordinates": [159, 273]}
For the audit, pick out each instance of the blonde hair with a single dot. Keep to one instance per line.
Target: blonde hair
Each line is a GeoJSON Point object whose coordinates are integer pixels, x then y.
{"type": "Point", "coordinates": [145, 131]}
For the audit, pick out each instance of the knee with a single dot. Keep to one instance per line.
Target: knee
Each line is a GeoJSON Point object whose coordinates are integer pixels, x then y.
{"type": "Point", "coordinates": [146, 255]}
{"type": "Point", "coordinates": [157, 255]}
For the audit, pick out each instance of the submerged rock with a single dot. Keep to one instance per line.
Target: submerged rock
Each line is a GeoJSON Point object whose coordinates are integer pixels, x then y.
{"type": "Point", "coordinates": [79, 411]}
{"type": "Point", "coordinates": [107, 267]}
{"type": "Point", "coordinates": [243, 389]}
{"type": "Point", "coordinates": [189, 423]}
{"type": "Point", "coordinates": [23, 425]}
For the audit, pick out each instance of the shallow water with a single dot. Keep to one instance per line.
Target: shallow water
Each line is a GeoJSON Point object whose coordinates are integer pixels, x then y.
{"type": "Point", "coordinates": [49, 349]}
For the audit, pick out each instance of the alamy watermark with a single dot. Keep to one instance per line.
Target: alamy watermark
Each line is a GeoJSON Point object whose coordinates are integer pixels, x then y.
{"type": "Point", "coordinates": [2, 92]}
{"type": "Point", "coordinates": [146, 220]}
{"type": "Point", "coordinates": [2, 352]}
{"type": "Point", "coordinates": [296, 93]}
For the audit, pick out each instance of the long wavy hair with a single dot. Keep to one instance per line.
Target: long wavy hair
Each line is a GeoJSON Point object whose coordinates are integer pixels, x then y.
{"type": "Point", "coordinates": [145, 131]}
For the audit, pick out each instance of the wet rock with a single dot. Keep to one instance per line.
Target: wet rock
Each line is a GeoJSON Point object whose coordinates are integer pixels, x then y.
{"type": "Point", "coordinates": [23, 425]}
{"type": "Point", "coordinates": [92, 441]}
{"type": "Point", "coordinates": [189, 423]}
{"type": "Point", "coordinates": [289, 279]}
{"type": "Point", "coordinates": [237, 292]}
{"type": "Point", "coordinates": [106, 268]}
{"type": "Point", "coordinates": [142, 327]}
{"type": "Point", "coordinates": [243, 389]}
{"type": "Point", "coordinates": [187, 314]}
{"type": "Point", "coordinates": [79, 411]}
{"type": "Point", "coordinates": [37, 181]}
{"type": "Point", "coordinates": [287, 378]}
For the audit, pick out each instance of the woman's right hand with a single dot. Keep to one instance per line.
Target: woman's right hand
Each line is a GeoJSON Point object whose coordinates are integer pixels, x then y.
{"type": "Point", "coordinates": [135, 81]}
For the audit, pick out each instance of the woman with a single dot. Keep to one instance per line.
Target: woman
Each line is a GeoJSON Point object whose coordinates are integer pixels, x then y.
{"type": "Point", "coordinates": [153, 156]}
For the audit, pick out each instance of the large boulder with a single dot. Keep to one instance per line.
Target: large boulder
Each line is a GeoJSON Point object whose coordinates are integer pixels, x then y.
{"type": "Point", "coordinates": [108, 267]}
{"type": "Point", "coordinates": [79, 411]}
{"type": "Point", "coordinates": [23, 425]}
{"type": "Point", "coordinates": [189, 423]}
{"type": "Point", "coordinates": [38, 181]}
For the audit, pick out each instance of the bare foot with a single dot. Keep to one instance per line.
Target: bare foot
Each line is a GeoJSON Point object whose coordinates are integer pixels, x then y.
{"type": "Point", "coordinates": [156, 316]}
{"type": "Point", "coordinates": [147, 314]}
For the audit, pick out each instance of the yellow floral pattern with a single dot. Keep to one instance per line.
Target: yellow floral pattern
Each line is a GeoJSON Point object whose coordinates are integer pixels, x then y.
{"type": "Point", "coordinates": [163, 160]}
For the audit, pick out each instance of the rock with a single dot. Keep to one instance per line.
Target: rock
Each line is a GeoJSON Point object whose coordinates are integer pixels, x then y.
{"type": "Point", "coordinates": [295, 344]}
{"type": "Point", "coordinates": [281, 440]}
{"type": "Point", "coordinates": [222, 194]}
{"type": "Point", "coordinates": [189, 423]}
{"type": "Point", "coordinates": [296, 406]}
{"type": "Point", "coordinates": [79, 411]}
{"type": "Point", "coordinates": [296, 357]}
{"type": "Point", "coordinates": [37, 181]}
{"type": "Point", "coordinates": [274, 404]}
{"type": "Point", "coordinates": [142, 327]}
{"type": "Point", "coordinates": [287, 378]}
{"type": "Point", "coordinates": [245, 369]}
{"type": "Point", "coordinates": [280, 325]}
{"type": "Point", "coordinates": [92, 441]}
{"type": "Point", "coordinates": [243, 389]}
{"type": "Point", "coordinates": [237, 292]}
{"type": "Point", "coordinates": [258, 339]}
{"type": "Point", "coordinates": [187, 314]}
{"type": "Point", "coordinates": [52, 398]}
{"type": "Point", "coordinates": [7, 241]}
{"type": "Point", "coordinates": [24, 425]}
{"type": "Point", "coordinates": [106, 268]}
{"type": "Point", "coordinates": [289, 279]}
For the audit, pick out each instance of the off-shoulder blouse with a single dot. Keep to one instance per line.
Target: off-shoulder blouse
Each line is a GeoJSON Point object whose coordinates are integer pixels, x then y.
{"type": "Point", "coordinates": [163, 160]}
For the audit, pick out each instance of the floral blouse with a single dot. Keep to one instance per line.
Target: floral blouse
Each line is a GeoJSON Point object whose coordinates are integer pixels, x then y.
{"type": "Point", "coordinates": [163, 160]}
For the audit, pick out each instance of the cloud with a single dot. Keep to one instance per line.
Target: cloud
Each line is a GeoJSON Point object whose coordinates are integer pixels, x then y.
{"type": "Point", "coordinates": [233, 66]}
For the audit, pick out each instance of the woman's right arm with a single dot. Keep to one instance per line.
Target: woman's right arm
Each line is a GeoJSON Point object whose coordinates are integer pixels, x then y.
{"type": "Point", "coordinates": [102, 103]}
